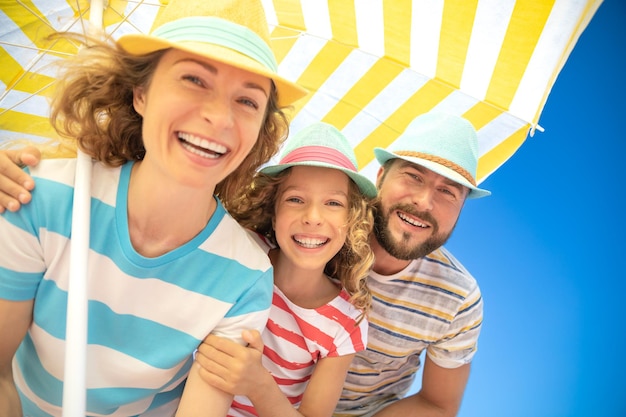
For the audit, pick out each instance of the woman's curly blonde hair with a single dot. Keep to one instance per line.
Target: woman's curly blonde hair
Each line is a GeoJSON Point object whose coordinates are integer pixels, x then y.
{"type": "Point", "coordinates": [254, 208]}
{"type": "Point", "coordinates": [93, 109]}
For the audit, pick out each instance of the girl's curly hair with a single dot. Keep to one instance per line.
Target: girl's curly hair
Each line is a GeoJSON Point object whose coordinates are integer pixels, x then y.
{"type": "Point", "coordinates": [254, 208]}
{"type": "Point", "coordinates": [93, 109]}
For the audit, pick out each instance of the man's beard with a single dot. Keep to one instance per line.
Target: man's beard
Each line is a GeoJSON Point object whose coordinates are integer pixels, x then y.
{"type": "Point", "coordinates": [400, 249]}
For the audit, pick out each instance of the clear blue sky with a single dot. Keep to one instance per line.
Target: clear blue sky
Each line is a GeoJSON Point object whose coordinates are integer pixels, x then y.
{"type": "Point", "coordinates": [547, 247]}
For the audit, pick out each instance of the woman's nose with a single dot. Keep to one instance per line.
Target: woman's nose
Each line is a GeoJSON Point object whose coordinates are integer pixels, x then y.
{"type": "Point", "coordinates": [218, 112]}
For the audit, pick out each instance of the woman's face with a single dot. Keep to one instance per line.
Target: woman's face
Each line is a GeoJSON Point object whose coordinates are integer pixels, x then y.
{"type": "Point", "coordinates": [201, 117]}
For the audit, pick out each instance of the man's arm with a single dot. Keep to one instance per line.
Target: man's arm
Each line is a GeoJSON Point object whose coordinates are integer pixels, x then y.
{"type": "Point", "coordinates": [15, 184]}
{"type": "Point", "coordinates": [15, 318]}
{"type": "Point", "coordinates": [440, 396]}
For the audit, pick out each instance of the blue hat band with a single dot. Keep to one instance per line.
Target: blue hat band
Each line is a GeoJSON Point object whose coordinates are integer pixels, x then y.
{"type": "Point", "coordinates": [220, 32]}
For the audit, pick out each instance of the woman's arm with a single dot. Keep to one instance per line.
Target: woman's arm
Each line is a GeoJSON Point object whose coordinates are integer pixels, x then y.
{"type": "Point", "coordinates": [15, 184]}
{"type": "Point", "coordinates": [15, 318]}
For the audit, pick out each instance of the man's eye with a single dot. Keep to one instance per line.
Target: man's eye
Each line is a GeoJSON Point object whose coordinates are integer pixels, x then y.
{"type": "Point", "coordinates": [414, 177]}
{"type": "Point", "coordinates": [449, 193]}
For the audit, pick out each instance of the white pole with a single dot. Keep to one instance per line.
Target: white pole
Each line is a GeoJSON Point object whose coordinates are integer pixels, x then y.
{"type": "Point", "coordinates": [74, 385]}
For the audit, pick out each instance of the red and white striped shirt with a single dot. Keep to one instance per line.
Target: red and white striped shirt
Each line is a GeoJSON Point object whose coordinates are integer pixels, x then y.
{"type": "Point", "coordinates": [296, 338]}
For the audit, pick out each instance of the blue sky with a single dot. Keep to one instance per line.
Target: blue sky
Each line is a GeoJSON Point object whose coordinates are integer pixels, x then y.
{"type": "Point", "coordinates": [545, 248]}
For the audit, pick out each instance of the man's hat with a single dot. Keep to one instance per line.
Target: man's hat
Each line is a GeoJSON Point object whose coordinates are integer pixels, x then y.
{"type": "Point", "coordinates": [322, 145]}
{"type": "Point", "coordinates": [233, 32]}
{"type": "Point", "coordinates": [442, 143]}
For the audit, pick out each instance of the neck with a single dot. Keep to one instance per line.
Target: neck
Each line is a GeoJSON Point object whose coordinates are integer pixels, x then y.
{"type": "Point", "coordinates": [307, 288]}
{"type": "Point", "coordinates": [163, 214]}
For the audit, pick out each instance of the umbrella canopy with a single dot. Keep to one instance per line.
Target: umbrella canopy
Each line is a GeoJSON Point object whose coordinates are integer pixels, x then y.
{"type": "Point", "coordinates": [371, 65]}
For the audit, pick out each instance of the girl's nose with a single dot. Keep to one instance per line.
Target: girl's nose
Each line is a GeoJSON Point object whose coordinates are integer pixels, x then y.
{"type": "Point", "coordinates": [312, 215]}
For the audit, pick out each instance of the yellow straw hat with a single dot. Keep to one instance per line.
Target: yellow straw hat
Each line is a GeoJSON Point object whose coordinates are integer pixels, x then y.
{"type": "Point", "coordinates": [233, 32]}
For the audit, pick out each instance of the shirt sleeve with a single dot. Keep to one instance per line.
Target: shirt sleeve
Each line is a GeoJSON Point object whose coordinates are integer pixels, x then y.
{"type": "Point", "coordinates": [459, 345]}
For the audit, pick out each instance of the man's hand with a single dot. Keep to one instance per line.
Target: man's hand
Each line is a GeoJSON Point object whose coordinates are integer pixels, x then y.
{"type": "Point", "coordinates": [15, 184]}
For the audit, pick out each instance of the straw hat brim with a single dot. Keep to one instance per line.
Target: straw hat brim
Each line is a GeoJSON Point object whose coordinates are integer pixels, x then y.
{"type": "Point", "coordinates": [139, 44]}
{"type": "Point", "coordinates": [383, 155]}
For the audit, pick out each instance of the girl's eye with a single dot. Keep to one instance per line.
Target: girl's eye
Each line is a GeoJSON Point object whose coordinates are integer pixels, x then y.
{"type": "Point", "coordinates": [293, 200]}
{"type": "Point", "coordinates": [336, 203]}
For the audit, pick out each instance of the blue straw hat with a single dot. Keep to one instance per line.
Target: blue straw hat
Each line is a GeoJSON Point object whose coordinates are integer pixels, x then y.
{"type": "Point", "coordinates": [322, 145]}
{"type": "Point", "coordinates": [233, 32]}
{"type": "Point", "coordinates": [442, 143]}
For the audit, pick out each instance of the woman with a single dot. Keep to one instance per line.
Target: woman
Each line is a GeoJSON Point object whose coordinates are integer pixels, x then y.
{"type": "Point", "coordinates": [172, 120]}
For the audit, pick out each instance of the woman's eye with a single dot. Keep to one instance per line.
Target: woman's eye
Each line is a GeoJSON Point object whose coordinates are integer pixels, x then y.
{"type": "Point", "coordinates": [194, 79]}
{"type": "Point", "coordinates": [249, 103]}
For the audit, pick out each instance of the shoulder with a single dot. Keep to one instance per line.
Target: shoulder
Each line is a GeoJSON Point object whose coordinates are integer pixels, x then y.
{"type": "Point", "coordinates": [439, 272]}
{"type": "Point", "coordinates": [232, 241]}
{"type": "Point", "coordinates": [60, 170]}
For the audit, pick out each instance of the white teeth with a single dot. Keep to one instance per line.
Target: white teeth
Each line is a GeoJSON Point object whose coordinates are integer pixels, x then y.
{"type": "Point", "coordinates": [210, 148]}
{"type": "Point", "coordinates": [311, 243]}
{"type": "Point", "coordinates": [411, 221]}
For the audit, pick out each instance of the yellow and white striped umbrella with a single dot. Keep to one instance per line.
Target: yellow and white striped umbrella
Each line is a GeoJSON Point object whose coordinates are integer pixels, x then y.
{"type": "Point", "coordinates": [371, 65]}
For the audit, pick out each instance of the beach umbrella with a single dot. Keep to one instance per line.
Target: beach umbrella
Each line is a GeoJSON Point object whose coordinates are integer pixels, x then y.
{"type": "Point", "coordinates": [371, 66]}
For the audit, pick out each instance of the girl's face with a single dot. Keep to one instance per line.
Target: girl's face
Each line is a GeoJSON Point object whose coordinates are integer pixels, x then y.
{"type": "Point", "coordinates": [200, 117]}
{"type": "Point", "coordinates": [311, 215]}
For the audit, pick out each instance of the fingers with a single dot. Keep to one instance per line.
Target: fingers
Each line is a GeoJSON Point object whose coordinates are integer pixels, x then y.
{"type": "Point", "coordinates": [30, 156]}
{"type": "Point", "coordinates": [15, 184]}
{"type": "Point", "coordinates": [253, 339]}
{"type": "Point", "coordinates": [228, 365]}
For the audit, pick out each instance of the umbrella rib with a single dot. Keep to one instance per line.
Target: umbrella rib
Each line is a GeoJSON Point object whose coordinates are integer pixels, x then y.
{"type": "Point", "coordinates": [125, 17]}
{"type": "Point", "coordinates": [24, 100]}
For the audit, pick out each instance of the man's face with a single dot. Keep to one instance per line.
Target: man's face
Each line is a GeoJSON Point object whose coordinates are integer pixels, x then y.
{"type": "Point", "coordinates": [417, 210]}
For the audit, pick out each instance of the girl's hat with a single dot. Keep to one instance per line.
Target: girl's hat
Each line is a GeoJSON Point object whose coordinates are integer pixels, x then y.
{"type": "Point", "coordinates": [442, 143]}
{"type": "Point", "coordinates": [233, 32]}
{"type": "Point", "coordinates": [322, 145]}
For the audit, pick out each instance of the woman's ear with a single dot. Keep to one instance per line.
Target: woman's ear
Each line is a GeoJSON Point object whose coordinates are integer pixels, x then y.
{"type": "Point", "coordinates": [139, 100]}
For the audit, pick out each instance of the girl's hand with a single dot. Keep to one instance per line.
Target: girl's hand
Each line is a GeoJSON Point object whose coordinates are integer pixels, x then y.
{"type": "Point", "coordinates": [230, 367]}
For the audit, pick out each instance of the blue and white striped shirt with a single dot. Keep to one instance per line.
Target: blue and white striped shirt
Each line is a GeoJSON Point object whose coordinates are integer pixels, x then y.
{"type": "Point", "coordinates": [146, 315]}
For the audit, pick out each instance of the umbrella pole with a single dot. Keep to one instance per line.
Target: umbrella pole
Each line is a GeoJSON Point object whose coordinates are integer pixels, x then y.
{"type": "Point", "coordinates": [74, 386]}
{"type": "Point", "coordinates": [74, 389]}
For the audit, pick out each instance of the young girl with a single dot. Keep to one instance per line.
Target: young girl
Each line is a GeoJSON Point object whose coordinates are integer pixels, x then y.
{"type": "Point", "coordinates": [312, 211]}
{"type": "Point", "coordinates": [171, 119]}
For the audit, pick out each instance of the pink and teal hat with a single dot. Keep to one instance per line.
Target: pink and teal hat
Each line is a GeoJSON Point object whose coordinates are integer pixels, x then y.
{"type": "Point", "coordinates": [322, 145]}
